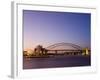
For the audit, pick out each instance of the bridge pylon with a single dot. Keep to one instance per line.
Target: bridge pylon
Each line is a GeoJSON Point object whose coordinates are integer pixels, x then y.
{"type": "Point", "coordinates": [85, 51]}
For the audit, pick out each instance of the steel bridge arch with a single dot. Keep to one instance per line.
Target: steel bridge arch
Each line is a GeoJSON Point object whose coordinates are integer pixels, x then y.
{"type": "Point", "coordinates": [66, 44]}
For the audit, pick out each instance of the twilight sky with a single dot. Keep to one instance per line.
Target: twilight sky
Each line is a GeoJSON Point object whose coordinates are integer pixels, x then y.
{"type": "Point", "coordinates": [46, 28]}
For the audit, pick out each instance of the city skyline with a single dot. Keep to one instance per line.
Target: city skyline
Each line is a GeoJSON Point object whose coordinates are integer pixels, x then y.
{"type": "Point", "coordinates": [47, 28]}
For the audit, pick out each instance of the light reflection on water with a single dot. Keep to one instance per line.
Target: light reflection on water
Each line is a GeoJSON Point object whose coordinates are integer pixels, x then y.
{"type": "Point", "coordinates": [52, 62]}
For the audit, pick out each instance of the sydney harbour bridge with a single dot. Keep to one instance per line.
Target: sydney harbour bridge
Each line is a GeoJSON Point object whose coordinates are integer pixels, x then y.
{"type": "Point", "coordinates": [60, 49]}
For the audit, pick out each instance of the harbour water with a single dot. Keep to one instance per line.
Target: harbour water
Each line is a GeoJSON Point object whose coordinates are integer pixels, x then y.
{"type": "Point", "coordinates": [56, 61]}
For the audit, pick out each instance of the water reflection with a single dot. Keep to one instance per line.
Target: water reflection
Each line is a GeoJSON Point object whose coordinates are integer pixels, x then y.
{"type": "Point", "coordinates": [52, 62]}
